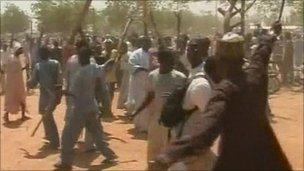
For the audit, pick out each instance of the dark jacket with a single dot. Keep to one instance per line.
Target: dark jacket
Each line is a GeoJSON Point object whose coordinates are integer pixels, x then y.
{"type": "Point", "coordinates": [236, 111]}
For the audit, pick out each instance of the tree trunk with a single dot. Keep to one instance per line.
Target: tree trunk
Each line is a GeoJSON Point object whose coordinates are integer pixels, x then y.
{"type": "Point", "coordinates": [80, 20]}
{"type": "Point", "coordinates": [179, 22]}
{"type": "Point", "coordinates": [227, 17]}
{"type": "Point", "coordinates": [243, 12]}
{"type": "Point", "coordinates": [145, 15]}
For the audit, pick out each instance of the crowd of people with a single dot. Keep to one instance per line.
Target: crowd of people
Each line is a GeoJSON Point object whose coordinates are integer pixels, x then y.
{"type": "Point", "coordinates": [182, 92]}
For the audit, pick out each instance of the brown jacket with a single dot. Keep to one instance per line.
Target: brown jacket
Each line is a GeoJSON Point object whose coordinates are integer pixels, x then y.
{"type": "Point", "coordinates": [236, 111]}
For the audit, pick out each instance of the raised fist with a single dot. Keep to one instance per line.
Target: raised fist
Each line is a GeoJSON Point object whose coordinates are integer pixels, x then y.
{"type": "Point", "coordinates": [276, 27]}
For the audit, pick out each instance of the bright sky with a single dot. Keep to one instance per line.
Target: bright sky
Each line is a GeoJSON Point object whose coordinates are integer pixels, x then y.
{"type": "Point", "coordinates": [100, 4]}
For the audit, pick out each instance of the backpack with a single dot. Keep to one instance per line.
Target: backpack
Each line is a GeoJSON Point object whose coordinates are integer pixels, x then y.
{"type": "Point", "coordinates": [173, 113]}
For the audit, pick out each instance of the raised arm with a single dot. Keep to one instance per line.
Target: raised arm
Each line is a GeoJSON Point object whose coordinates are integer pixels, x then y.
{"type": "Point", "coordinates": [257, 69]}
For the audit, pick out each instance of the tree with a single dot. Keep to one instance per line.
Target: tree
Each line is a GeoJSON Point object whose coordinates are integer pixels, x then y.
{"type": "Point", "coordinates": [14, 20]}
{"type": "Point", "coordinates": [61, 16]}
{"type": "Point", "coordinates": [268, 11]}
{"type": "Point", "coordinates": [230, 9]}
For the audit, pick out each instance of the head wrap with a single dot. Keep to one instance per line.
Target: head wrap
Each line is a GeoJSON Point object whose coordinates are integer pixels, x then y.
{"type": "Point", "coordinates": [17, 46]}
{"type": "Point", "coordinates": [230, 47]}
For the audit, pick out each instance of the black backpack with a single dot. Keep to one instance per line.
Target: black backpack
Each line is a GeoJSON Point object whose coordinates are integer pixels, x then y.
{"type": "Point", "coordinates": [173, 113]}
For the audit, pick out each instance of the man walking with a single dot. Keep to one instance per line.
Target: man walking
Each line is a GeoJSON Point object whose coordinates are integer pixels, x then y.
{"type": "Point", "coordinates": [140, 66]}
{"type": "Point", "coordinates": [47, 73]}
{"type": "Point", "coordinates": [15, 96]}
{"type": "Point", "coordinates": [236, 111]}
{"type": "Point", "coordinates": [84, 114]}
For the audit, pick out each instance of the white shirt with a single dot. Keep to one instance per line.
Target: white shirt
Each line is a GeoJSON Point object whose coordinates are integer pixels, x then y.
{"type": "Point", "coordinates": [139, 59]}
{"type": "Point", "coordinates": [199, 90]}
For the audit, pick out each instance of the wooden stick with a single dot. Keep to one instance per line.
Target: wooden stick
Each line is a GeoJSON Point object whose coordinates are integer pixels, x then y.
{"type": "Point", "coordinates": [281, 10]}
{"type": "Point", "coordinates": [161, 43]}
{"type": "Point", "coordinates": [36, 127]}
{"type": "Point", "coordinates": [122, 38]}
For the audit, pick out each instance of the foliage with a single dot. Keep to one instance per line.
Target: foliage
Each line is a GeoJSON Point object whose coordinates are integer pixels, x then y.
{"type": "Point", "coordinates": [61, 16]}
{"type": "Point", "coordinates": [14, 20]}
{"type": "Point", "coordinates": [272, 8]}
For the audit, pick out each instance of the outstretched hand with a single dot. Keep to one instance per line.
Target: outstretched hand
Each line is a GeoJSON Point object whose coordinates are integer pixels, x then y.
{"type": "Point", "coordinates": [276, 27]}
{"type": "Point", "coordinates": [157, 165]}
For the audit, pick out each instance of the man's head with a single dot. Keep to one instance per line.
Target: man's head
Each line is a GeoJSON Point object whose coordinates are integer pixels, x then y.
{"type": "Point", "coordinates": [55, 43]}
{"type": "Point", "coordinates": [145, 42]}
{"type": "Point", "coordinates": [229, 55]}
{"type": "Point", "coordinates": [79, 44]}
{"type": "Point", "coordinates": [108, 44]}
{"type": "Point", "coordinates": [84, 56]}
{"type": "Point", "coordinates": [124, 48]}
{"type": "Point", "coordinates": [44, 53]}
{"type": "Point", "coordinates": [166, 61]}
{"type": "Point", "coordinates": [4, 46]}
{"type": "Point", "coordinates": [197, 51]}
{"type": "Point", "coordinates": [18, 49]}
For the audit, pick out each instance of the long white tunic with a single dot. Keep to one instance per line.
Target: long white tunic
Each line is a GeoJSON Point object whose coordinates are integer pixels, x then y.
{"type": "Point", "coordinates": [138, 87]}
{"type": "Point", "coordinates": [14, 85]}
{"type": "Point", "coordinates": [162, 85]}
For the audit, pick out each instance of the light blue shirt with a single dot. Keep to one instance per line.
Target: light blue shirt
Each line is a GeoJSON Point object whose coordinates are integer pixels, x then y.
{"type": "Point", "coordinates": [139, 59]}
{"type": "Point", "coordinates": [86, 90]}
{"type": "Point", "coordinates": [46, 73]}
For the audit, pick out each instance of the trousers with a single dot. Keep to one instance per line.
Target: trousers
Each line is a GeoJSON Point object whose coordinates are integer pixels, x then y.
{"type": "Point", "coordinates": [72, 130]}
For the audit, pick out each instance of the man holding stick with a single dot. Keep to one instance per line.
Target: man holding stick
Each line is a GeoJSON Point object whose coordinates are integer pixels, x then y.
{"type": "Point", "coordinates": [48, 74]}
{"type": "Point", "coordinates": [236, 111]}
{"type": "Point", "coordinates": [84, 85]}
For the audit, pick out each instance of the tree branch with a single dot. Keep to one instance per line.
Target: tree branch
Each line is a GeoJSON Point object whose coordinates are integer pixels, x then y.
{"type": "Point", "coordinates": [232, 5]}
{"type": "Point", "coordinates": [249, 6]}
{"type": "Point", "coordinates": [236, 12]}
{"type": "Point", "coordinates": [221, 11]}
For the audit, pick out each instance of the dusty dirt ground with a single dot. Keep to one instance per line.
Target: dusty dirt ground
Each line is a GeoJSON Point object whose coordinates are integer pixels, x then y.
{"type": "Point", "coordinates": [19, 151]}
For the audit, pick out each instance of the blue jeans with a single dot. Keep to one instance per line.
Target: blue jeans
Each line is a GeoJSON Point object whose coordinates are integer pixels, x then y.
{"type": "Point", "coordinates": [72, 130]}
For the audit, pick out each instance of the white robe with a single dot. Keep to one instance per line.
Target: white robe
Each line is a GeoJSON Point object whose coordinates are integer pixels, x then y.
{"type": "Point", "coordinates": [138, 87]}
{"type": "Point", "coordinates": [14, 85]}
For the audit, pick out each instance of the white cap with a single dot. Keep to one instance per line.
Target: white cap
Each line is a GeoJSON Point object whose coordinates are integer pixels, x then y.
{"type": "Point", "coordinates": [232, 38]}
{"type": "Point", "coordinates": [17, 46]}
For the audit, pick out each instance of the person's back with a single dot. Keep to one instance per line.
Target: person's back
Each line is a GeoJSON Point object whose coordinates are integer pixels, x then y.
{"type": "Point", "coordinates": [236, 111]}
{"type": "Point", "coordinates": [83, 88]}
{"type": "Point", "coordinates": [47, 72]}
{"type": "Point", "coordinates": [247, 139]}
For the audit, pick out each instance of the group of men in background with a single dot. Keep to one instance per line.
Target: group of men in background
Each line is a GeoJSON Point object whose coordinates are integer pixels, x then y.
{"type": "Point", "coordinates": [90, 71]}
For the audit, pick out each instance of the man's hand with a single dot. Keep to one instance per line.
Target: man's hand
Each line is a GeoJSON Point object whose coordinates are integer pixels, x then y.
{"type": "Point", "coordinates": [276, 27]}
{"type": "Point", "coordinates": [154, 165]}
{"type": "Point", "coordinates": [162, 162]}
{"type": "Point", "coordinates": [140, 69]}
{"type": "Point", "coordinates": [132, 115]}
